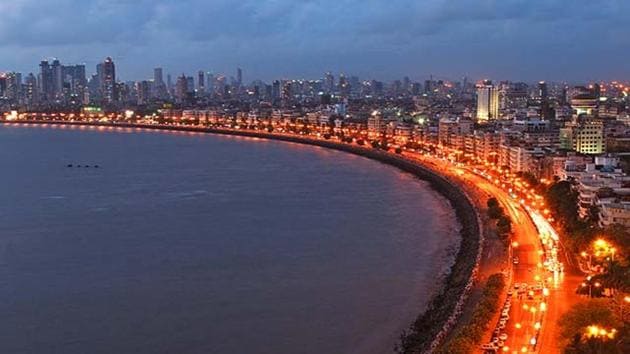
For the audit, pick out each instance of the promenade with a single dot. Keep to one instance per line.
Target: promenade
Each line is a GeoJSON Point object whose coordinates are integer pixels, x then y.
{"type": "Point", "coordinates": [531, 322]}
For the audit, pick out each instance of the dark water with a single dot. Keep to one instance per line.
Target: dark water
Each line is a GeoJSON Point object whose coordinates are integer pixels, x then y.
{"type": "Point", "coordinates": [190, 243]}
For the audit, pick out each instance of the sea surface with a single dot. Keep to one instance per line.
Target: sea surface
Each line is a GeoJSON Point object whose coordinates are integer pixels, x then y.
{"type": "Point", "coordinates": [195, 243]}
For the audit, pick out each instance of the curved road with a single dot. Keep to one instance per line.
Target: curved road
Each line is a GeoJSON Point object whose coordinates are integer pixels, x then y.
{"type": "Point", "coordinates": [531, 327]}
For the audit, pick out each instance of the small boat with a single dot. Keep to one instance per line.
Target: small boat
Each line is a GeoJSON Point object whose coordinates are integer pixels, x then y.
{"type": "Point", "coordinates": [69, 165]}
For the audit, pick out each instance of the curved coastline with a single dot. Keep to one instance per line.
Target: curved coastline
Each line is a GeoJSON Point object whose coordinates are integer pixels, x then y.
{"type": "Point", "coordinates": [431, 326]}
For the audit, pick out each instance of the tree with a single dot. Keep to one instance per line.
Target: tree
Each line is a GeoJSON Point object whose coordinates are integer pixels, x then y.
{"type": "Point", "coordinates": [492, 203]}
{"type": "Point", "coordinates": [504, 226]}
{"type": "Point", "coordinates": [529, 177]}
{"type": "Point", "coordinates": [616, 277]}
{"type": "Point", "coordinates": [579, 317]}
{"type": "Point", "coordinates": [496, 212]}
{"type": "Point", "coordinates": [494, 209]}
{"type": "Point", "coordinates": [562, 200]}
{"type": "Point", "coordinates": [618, 235]}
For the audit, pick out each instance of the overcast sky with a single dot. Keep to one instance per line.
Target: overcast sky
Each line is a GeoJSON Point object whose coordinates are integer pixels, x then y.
{"type": "Point", "coordinates": [571, 40]}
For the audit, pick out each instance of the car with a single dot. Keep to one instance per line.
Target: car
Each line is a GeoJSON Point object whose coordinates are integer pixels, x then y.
{"type": "Point", "coordinates": [490, 347]}
{"type": "Point", "coordinates": [503, 337]}
{"type": "Point", "coordinates": [515, 260]}
{"type": "Point", "coordinates": [510, 293]}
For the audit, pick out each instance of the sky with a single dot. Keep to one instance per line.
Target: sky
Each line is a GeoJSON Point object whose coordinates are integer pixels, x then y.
{"type": "Point", "coordinates": [529, 40]}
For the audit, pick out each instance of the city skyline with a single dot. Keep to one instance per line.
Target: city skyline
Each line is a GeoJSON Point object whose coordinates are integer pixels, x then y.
{"type": "Point", "coordinates": [571, 41]}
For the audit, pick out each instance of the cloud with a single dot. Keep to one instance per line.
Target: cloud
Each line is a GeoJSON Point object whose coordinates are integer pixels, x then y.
{"type": "Point", "coordinates": [272, 38]}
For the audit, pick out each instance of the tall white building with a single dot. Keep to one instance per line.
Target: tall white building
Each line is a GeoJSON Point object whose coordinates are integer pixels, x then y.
{"type": "Point", "coordinates": [487, 102]}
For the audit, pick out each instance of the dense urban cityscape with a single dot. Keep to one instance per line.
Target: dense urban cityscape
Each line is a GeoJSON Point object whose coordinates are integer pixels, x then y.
{"type": "Point", "coordinates": [546, 164]}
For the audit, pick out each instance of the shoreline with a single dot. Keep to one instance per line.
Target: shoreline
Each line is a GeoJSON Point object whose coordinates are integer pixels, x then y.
{"type": "Point", "coordinates": [431, 326]}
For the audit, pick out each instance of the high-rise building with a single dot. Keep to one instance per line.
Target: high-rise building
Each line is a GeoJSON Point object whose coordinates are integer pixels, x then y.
{"type": "Point", "coordinates": [30, 89]}
{"type": "Point", "coordinates": [159, 87]}
{"type": "Point", "coordinates": [143, 90]}
{"type": "Point", "coordinates": [543, 92]}
{"type": "Point", "coordinates": [107, 80]}
{"type": "Point", "coordinates": [46, 81]}
{"type": "Point", "coordinates": [220, 85]}
{"type": "Point", "coordinates": [12, 86]}
{"type": "Point", "coordinates": [210, 83]}
{"type": "Point", "coordinates": [239, 77]}
{"type": "Point", "coordinates": [74, 80]}
{"type": "Point", "coordinates": [329, 83]}
{"type": "Point", "coordinates": [158, 77]}
{"type": "Point", "coordinates": [181, 89]}
{"type": "Point", "coordinates": [57, 78]}
{"type": "Point", "coordinates": [169, 85]}
{"type": "Point", "coordinates": [546, 111]}
{"type": "Point", "coordinates": [487, 101]}
{"type": "Point", "coordinates": [344, 86]}
{"type": "Point", "coordinates": [201, 82]}
{"type": "Point", "coordinates": [190, 84]}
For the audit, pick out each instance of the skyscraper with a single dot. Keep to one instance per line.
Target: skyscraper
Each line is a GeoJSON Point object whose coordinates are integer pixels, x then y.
{"type": "Point", "coordinates": [239, 77]}
{"type": "Point", "coordinates": [543, 93]}
{"type": "Point", "coordinates": [181, 89]}
{"type": "Point", "coordinates": [210, 83]}
{"type": "Point", "coordinates": [12, 86]}
{"type": "Point", "coordinates": [107, 81]}
{"type": "Point", "coordinates": [30, 89]}
{"type": "Point", "coordinates": [546, 111]}
{"type": "Point", "coordinates": [46, 81]}
{"type": "Point", "coordinates": [143, 92]}
{"type": "Point", "coordinates": [190, 84]}
{"type": "Point", "coordinates": [159, 87]}
{"type": "Point", "coordinates": [329, 83]}
{"type": "Point", "coordinates": [158, 77]}
{"type": "Point", "coordinates": [74, 79]}
{"type": "Point", "coordinates": [201, 82]}
{"type": "Point", "coordinates": [487, 101]}
{"type": "Point", "coordinates": [57, 78]}
{"type": "Point", "coordinates": [275, 90]}
{"type": "Point", "coordinates": [169, 85]}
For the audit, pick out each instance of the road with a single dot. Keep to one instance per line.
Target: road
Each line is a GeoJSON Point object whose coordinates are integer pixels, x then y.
{"type": "Point", "coordinates": [534, 312]}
